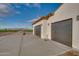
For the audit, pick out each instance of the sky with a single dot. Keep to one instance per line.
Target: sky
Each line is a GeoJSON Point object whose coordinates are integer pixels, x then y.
{"type": "Point", "coordinates": [21, 15]}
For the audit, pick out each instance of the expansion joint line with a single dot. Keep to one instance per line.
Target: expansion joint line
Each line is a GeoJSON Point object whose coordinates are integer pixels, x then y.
{"type": "Point", "coordinates": [20, 46]}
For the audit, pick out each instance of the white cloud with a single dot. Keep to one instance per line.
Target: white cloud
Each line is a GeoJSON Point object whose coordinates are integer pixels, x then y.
{"type": "Point", "coordinates": [27, 4]}
{"type": "Point", "coordinates": [18, 12]}
{"type": "Point", "coordinates": [4, 9]}
{"type": "Point", "coordinates": [33, 20]}
{"type": "Point", "coordinates": [36, 5]}
{"type": "Point", "coordinates": [17, 6]}
{"type": "Point", "coordinates": [33, 5]}
{"type": "Point", "coordinates": [7, 10]}
{"type": "Point", "coordinates": [3, 6]}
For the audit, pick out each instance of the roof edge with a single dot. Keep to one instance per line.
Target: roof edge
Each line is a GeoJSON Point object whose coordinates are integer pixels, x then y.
{"type": "Point", "coordinates": [43, 18]}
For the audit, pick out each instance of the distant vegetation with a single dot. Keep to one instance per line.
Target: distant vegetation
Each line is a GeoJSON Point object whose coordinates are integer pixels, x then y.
{"type": "Point", "coordinates": [9, 30]}
{"type": "Point", "coordinates": [29, 30]}
{"type": "Point", "coordinates": [4, 30]}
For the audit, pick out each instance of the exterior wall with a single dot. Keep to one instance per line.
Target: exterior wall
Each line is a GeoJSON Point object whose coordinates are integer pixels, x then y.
{"type": "Point", "coordinates": [39, 23]}
{"type": "Point", "coordinates": [49, 29]}
{"type": "Point", "coordinates": [33, 30]}
{"type": "Point", "coordinates": [44, 29]}
{"type": "Point", "coordinates": [66, 11]}
{"type": "Point", "coordinates": [43, 24]}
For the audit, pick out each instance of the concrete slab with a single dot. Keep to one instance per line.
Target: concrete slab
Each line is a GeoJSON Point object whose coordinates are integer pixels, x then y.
{"type": "Point", "coordinates": [29, 45]}
{"type": "Point", "coordinates": [9, 45]}
{"type": "Point", "coordinates": [34, 46]}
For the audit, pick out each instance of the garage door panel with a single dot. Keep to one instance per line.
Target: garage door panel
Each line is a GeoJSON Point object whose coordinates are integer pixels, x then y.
{"type": "Point", "coordinates": [37, 30]}
{"type": "Point", "coordinates": [62, 32]}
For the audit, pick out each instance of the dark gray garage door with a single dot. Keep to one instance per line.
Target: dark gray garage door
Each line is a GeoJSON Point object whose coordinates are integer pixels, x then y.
{"type": "Point", "coordinates": [62, 32]}
{"type": "Point", "coordinates": [38, 30]}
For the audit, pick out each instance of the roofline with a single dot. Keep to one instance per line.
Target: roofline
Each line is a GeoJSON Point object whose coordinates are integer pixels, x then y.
{"type": "Point", "coordinates": [59, 7]}
{"type": "Point", "coordinates": [46, 17]}
{"type": "Point", "coordinates": [34, 22]}
{"type": "Point", "coordinates": [43, 18]}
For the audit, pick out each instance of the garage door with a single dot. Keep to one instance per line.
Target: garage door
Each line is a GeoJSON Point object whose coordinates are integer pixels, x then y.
{"type": "Point", "coordinates": [62, 32]}
{"type": "Point", "coordinates": [38, 30]}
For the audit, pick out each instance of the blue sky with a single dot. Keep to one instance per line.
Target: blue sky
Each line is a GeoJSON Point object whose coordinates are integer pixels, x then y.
{"type": "Point", "coordinates": [21, 15]}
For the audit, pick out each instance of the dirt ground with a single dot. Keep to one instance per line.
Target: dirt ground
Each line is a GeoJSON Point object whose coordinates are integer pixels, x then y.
{"type": "Point", "coordinates": [71, 53]}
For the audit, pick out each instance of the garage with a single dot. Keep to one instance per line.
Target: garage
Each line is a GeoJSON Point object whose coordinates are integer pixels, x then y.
{"type": "Point", "coordinates": [62, 32]}
{"type": "Point", "coordinates": [38, 30]}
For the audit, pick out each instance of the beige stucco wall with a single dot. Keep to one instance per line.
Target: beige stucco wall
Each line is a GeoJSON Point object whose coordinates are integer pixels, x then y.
{"type": "Point", "coordinates": [67, 11]}
{"type": "Point", "coordinates": [38, 23]}
{"type": "Point", "coordinates": [44, 29]}
{"type": "Point", "coordinates": [49, 29]}
{"type": "Point", "coordinates": [43, 24]}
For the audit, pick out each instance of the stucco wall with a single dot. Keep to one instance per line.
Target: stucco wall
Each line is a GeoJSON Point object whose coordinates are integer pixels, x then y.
{"type": "Point", "coordinates": [49, 29]}
{"type": "Point", "coordinates": [36, 24]}
{"type": "Point", "coordinates": [43, 24]}
{"type": "Point", "coordinates": [67, 11]}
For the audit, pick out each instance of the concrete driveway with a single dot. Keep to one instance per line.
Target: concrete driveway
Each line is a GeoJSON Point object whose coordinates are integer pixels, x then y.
{"type": "Point", "coordinates": [29, 45]}
{"type": "Point", "coordinates": [9, 44]}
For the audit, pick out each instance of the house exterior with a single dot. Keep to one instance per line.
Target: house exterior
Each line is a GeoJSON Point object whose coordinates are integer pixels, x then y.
{"type": "Point", "coordinates": [63, 26]}
{"type": "Point", "coordinates": [40, 27]}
